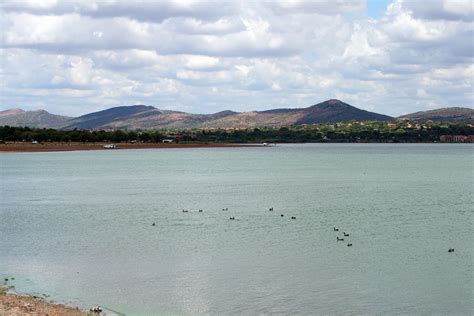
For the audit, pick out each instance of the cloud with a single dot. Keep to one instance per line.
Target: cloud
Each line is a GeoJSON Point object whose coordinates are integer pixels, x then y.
{"type": "Point", "coordinates": [322, 7]}
{"type": "Point", "coordinates": [140, 10]}
{"type": "Point", "coordinates": [72, 57]}
{"type": "Point", "coordinates": [441, 9]}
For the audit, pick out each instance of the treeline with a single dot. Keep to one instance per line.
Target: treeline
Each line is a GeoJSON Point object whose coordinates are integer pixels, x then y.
{"type": "Point", "coordinates": [343, 132]}
{"type": "Point", "coordinates": [26, 134]}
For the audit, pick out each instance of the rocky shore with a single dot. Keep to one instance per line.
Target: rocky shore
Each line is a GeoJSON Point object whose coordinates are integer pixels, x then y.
{"type": "Point", "coordinates": [19, 305]}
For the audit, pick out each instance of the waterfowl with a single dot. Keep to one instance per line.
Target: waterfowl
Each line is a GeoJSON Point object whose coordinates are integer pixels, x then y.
{"type": "Point", "coordinates": [451, 250]}
{"type": "Point", "coordinates": [200, 211]}
{"type": "Point", "coordinates": [270, 209]}
{"type": "Point", "coordinates": [153, 224]}
{"type": "Point", "coordinates": [232, 217]}
{"type": "Point", "coordinates": [335, 229]}
{"type": "Point", "coordinates": [345, 234]}
{"type": "Point", "coordinates": [349, 245]}
{"type": "Point", "coordinates": [282, 215]}
{"type": "Point", "coordinates": [339, 239]}
{"type": "Point", "coordinates": [292, 217]}
{"type": "Point", "coordinates": [185, 211]}
{"type": "Point", "coordinates": [96, 309]}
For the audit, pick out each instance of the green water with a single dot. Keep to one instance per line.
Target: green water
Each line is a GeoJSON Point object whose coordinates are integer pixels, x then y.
{"type": "Point", "coordinates": [78, 226]}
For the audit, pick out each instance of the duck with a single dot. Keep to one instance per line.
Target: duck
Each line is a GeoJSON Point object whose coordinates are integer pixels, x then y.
{"type": "Point", "coordinates": [200, 211]}
{"type": "Point", "coordinates": [293, 217]}
{"type": "Point", "coordinates": [233, 217]}
{"type": "Point", "coordinates": [339, 239]}
{"type": "Point", "coordinates": [345, 234]}
{"type": "Point", "coordinates": [271, 209]}
{"type": "Point", "coordinates": [349, 245]}
{"type": "Point", "coordinates": [96, 309]}
{"type": "Point", "coordinates": [282, 215]}
{"type": "Point", "coordinates": [451, 250]}
{"type": "Point", "coordinates": [335, 229]}
{"type": "Point", "coordinates": [153, 224]}
{"type": "Point", "coordinates": [185, 211]}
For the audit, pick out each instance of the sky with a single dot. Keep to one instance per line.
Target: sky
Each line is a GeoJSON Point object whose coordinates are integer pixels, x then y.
{"type": "Point", "coordinates": [393, 57]}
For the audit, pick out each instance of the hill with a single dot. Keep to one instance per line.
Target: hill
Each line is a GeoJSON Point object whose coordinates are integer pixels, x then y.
{"type": "Point", "coordinates": [455, 115]}
{"type": "Point", "coordinates": [142, 117]}
{"type": "Point", "coordinates": [39, 118]}
{"type": "Point", "coordinates": [149, 117]}
{"type": "Point", "coordinates": [330, 111]}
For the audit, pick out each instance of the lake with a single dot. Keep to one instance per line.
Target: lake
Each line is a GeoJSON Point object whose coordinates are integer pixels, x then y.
{"type": "Point", "coordinates": [77, 226]}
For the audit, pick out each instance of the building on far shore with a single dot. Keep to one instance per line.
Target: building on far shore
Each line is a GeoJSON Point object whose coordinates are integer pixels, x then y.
{"type": "Point", "coordinates": [456, 138]}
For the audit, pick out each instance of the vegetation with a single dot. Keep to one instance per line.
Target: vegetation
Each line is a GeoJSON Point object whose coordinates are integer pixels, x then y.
{"type": "Point", "coordinates": [372, 131]}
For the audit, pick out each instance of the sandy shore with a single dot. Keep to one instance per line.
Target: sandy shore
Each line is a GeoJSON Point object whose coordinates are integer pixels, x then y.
{"type": "Point", "coordinates": [49, 147]}
{"type": "Point", "coordinates": [18, 305]}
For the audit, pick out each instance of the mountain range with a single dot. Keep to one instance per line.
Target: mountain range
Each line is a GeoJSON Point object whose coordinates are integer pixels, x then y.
{"type": "Point", "coordinates": [149, 117]}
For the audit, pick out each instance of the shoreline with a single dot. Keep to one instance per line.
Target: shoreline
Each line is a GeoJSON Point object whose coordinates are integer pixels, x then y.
{"type": "Point", "coordinates": [17, 304]}
{"type": "Point", "coordinates": [26, 147]}
{"type": "Point", "coordinates": [58, 147]}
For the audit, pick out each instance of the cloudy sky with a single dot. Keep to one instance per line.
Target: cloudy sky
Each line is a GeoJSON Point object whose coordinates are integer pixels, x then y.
{"type": "Point", "coordinates": [393, 57]}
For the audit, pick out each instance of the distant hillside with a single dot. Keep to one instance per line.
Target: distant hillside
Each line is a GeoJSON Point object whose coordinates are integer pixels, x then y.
{"type": "Point", "coordinates": [107, 117]}
{"type": "Point", "coordinates": [142, 117]}
{"type": "Point", "coordinates": [455, 114]}
{"type": "Point", "coordinates": [149, 117]}
{"type": "Point", "coordinates": [39, 119]}
{"type": "Point", "coordinates": [333, 111]}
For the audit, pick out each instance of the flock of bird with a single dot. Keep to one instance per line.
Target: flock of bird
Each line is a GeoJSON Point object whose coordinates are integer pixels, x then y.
{"type": "Point", "coordinates": [224, 210]}
{"type": "Point", "coordinates": [344, 234]}
{"type": "Point", "coordinates": [292, 217]}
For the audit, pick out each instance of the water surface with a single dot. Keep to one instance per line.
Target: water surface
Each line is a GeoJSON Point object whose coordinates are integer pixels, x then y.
{"type": "Point", "coordinates": [77, 226]}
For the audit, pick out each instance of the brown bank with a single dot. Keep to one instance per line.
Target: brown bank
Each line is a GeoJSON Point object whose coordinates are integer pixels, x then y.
{"type": "Point", "coordinates": [16, 305]}
{"type": "Point", "coordinates": [48, 147]}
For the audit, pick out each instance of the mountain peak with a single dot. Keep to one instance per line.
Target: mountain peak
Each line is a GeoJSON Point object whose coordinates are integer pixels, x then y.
{"type": "Point", "coordinates": [9, 112]}
{"type": "Point", "coordinates": [333, 111]}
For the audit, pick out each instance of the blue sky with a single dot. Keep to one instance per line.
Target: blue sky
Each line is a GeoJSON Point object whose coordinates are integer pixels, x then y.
{"type": "Point", "coordinates": [394, 57]}
{"type": "Point", "coordinates": [375, 8]}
